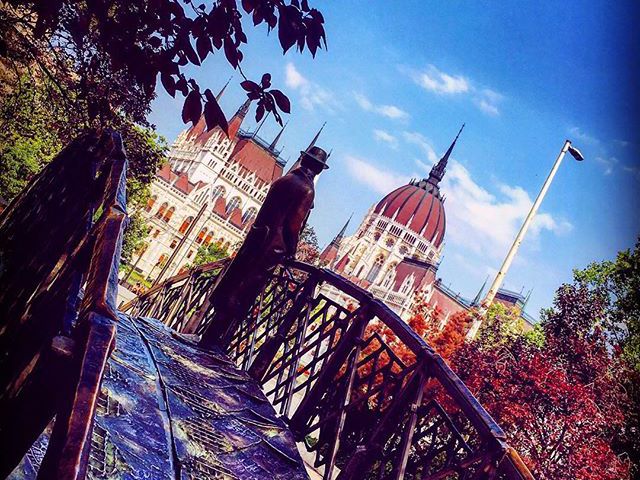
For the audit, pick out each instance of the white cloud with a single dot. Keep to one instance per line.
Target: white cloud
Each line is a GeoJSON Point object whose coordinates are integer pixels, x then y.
{"type": "Point", "coordinates": [380, 180]}
{"type": "Point", "coordinates": [578, 134]}
{"type": "Point", "coordinates": [423, 144]}
{"type": "Point", "coordinates": [436, 81]}
{"type": "Point", "coordinates": [440, 82]}
{"type": "Point", "coordinates": [293, 78]}
{"type": "Point", "coordinates": [486, 223]}
{"type": "Point", "coordinates": [386, 137]}
{"type": "Point", "coordinates": [608, 163]}
{"type": "Point", "coordinates": [389, 111]}
{"type": "Point", "coordinates": [312, 95]}
{"type": "Point", "coordinates": [487, 100]}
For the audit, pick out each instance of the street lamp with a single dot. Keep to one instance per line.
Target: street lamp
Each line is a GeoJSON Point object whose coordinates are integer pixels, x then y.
{"type": "Point", "coordinates": [497, 282]}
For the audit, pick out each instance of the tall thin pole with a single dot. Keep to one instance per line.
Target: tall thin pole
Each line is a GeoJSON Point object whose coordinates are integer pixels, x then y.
{"type": "Point", "coordinates": [497, 282]}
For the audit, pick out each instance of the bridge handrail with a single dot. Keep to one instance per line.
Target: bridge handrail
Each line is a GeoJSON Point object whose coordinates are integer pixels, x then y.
{"type": "Point", "coordinates": [276, 339]}
{"type": "Point", "coordinates": [86, 184]}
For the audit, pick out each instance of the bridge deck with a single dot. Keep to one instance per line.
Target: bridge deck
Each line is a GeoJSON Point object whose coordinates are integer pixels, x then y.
{"type": "Point", "coordinates": [169, 410]}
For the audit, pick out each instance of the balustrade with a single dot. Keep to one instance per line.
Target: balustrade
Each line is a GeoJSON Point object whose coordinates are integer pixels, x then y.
{"type": "Point", "coordinates": [362, 392]}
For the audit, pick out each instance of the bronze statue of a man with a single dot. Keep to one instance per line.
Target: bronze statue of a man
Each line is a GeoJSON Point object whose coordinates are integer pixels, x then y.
{"type": "Point", "coordinates": [272, 239]}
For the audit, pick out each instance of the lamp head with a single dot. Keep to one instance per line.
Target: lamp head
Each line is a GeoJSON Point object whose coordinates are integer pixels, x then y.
{"type": "Point", "coordinates": [575, 153]}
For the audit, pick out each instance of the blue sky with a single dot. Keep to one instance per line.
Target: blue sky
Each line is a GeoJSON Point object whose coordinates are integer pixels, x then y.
{"type": "Point", "coordinates": [400, 78]}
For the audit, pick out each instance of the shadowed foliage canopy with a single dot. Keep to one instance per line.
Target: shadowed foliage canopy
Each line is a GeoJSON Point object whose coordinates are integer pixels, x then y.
{"type": "Point", "coordinates": [106, 56]}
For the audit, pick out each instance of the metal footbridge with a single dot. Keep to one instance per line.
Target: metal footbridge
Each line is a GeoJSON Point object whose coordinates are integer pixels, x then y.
{"type": "Point", "coordinates": [309, 385]}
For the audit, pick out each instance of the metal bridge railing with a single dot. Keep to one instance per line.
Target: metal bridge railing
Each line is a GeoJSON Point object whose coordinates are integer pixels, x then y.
{"type": "Point", "coordinates": [364, 394]}
{"type": "Point", "coordinates": [61, 234]}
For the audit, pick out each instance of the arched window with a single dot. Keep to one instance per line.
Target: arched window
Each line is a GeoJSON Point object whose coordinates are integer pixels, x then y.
{"type": "Point", "coordinates": [233, 204]}
{"type": "Point", "coordinates": [218, 191]}
{"type": "Point", "coordinates": [249, 215]}
{"type": "Point", "coordinates": [150, 203]}
{"type": "Point", "coordinates": [169, 213]}
{"type": "Point", "coordinates": [185, 224]}
{"type": "Point", "coordinates": [208, 238]}
{"type": "Point", "coordinates": [375, 269]}
{"type": "Point", "coordinates": [163, 259]}
{"type": "Point", "coordinates": [161, 210]}
{"type": "Point", "coordinates": [201, 235]}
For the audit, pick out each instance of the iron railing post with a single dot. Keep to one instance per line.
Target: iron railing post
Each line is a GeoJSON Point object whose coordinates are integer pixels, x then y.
{"type": "Point", "coordinates": [364, 456]}
{"type": "Point", "coordinates": [346, 344]}
{"type": "Point", "coordinates": [270, 347]}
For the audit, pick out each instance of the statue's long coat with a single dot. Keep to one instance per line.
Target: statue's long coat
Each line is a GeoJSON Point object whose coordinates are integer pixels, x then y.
{"type": "Point", "coordinates": [272, 238]}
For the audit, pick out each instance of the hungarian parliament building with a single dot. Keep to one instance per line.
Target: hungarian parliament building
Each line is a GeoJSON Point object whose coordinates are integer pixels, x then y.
{"type": "Point", "coordinates": [211, 189]}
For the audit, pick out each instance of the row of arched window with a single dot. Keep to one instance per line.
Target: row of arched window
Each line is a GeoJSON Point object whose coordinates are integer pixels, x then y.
{"type": "Point", "coordinates": [165, 212]}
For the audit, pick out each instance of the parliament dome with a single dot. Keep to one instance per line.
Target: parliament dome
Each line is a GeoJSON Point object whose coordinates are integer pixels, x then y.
{"type": "Point", "coordinates": [419, 207]}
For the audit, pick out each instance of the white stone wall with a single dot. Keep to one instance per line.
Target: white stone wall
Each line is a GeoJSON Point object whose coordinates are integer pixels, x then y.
{"type": "Point", "coordinates": [380, 237]}
{"type": "Point", "coordinates": [209, 164]}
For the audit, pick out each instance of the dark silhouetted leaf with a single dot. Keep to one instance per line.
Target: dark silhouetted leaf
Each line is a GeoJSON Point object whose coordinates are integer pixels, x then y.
{"type": "Point", "coordinates": [281, 100]}
{"type": "Point", "coordinates": [203, 46]}
{"type": "Point", "coordinates": [248, 5]}
{"type": "Point", "coordinates": [231, 52]}
{"type": "Point", "coordinates": [250, 86]}
{"type": "Point", "coordinates": [192, 108]}
{"type": "Point", "coordinates": [190, 52]}
{"type": "Point", "coordinates": [266, 80]}
{"type": "Point", "coordinates": [182, 85]}
{"type": "Point", "coordinates": [168, 83]}
{"type": "Point", "coordinates": [213, 114]}
{"type": "Point", "coordinates": [259, 112]}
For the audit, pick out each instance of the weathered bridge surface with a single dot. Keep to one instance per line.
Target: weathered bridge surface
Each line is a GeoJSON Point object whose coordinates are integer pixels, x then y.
{"type": "Point", "coordinates": [169, 410]}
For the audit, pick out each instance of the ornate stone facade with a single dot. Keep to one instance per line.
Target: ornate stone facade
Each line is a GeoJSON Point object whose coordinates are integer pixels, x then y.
{"type": "Point", "coordinates": [210, 191]}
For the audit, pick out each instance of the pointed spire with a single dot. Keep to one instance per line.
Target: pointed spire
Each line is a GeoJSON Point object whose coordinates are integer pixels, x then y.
{"type": "Point", "coordinates": [330, 254]}
{"type": "Point", "coordinates": [296, 164]}
{"type": "Point", "coordinates": [272, 147]}
{"type": "Point", "coordinates": [315, 139]}
{"type": "Point", "coordinates": [255, 133]}
{"type": "Point", "coordinates": [221, 92]}
{"type": "Point", "coordinates": [329, 156]}
{"type": "Point", "coordinates": [338, 238]}
{"type": "Point", "coordinates": [236, 120]}
{"type": "Point", "coordinates": [526, 300]}
{"type": "Point", "coordinates": [437, 172]}
{"type": "Point", "coordinates": [478, 297]}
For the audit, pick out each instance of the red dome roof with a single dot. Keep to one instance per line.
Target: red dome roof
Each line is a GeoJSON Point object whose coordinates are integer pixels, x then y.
{"type": "Point", "coordinates": [419, 207]}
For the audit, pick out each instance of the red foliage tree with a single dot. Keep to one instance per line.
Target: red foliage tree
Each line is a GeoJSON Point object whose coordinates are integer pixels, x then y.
{"type": "Point", "coordinates": [561, 404]}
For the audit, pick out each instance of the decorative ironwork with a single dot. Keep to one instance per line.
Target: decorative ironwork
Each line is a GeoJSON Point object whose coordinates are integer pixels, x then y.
{"type": "Point", "coordinates": [357, 387]}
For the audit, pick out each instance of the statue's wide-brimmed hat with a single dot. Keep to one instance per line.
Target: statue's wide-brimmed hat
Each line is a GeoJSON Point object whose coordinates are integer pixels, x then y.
{"type": "Point", "coordinates": [317, 154]}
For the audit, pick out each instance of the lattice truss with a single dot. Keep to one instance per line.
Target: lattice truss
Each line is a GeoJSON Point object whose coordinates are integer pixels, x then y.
{"type": "Point", "coordinates": [265, 318]}
{"type": "Point", "coordinates": [440, 446]}
{"type": "Point", "coordinates": [361, 401]}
